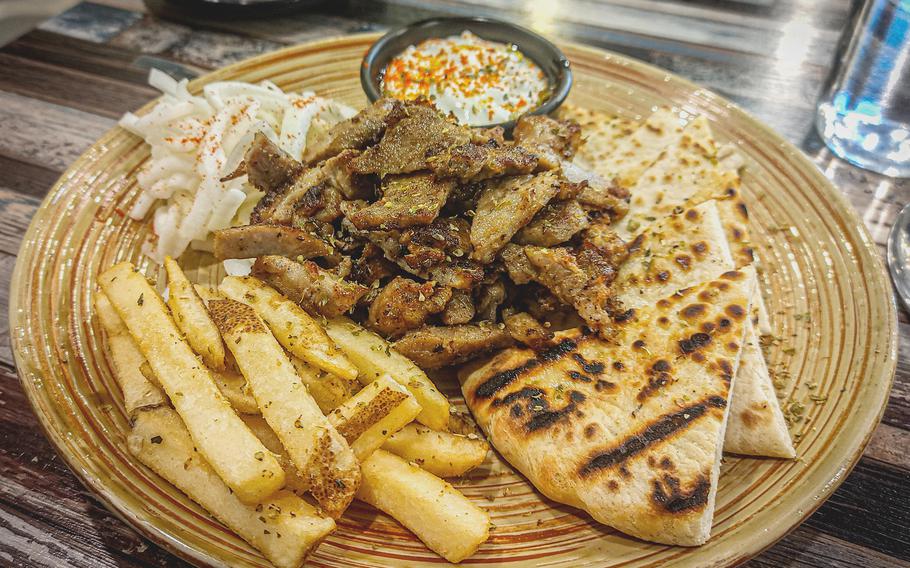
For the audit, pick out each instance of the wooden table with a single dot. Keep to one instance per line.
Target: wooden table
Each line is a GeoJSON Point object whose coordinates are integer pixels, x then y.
{"type": "Point", "coordinates": [65, 83]}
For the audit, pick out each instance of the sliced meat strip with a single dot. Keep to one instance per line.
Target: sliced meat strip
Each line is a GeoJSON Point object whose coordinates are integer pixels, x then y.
{"type": "Point", "coordinates": [554, 224]}
{"type": "Point", "coordinates": [403, 305]}
{"type": "Point", "coordinates": [488, 297]}
{"type": "Point", "coordinates": [316, 193]}
{"type": "Point", "coordinates": [358, 132]}
{"type": "Point", "coordinates": [525, 329]}
{"type": "Point", "coordinates": [601, 235]}
{"type": "Point", "coordinates": [435, 252]}
{"type": "Point", "coordinates": [551, 139]}
{"type": "Point", "coordinates": [407, 201]}
{"type": "Point", "coordinates": [576, 281]}
{"type": "Point", "coordinates": [435, 347]}
{"type": "Point", "coordinates": [597, 193]}
{"type": "Point", "coordinates": [461, 274]}
{"type": "Point", "coordinates": [476, 162]}
{"type": "Point", "coordinates": [317, 290]}
{"type": "Point", "coordinates": [268, 168]}
{"type": "Point", "coordinates": [406, 146]}
{"type": "Point", "coordinates": [372, 267]}
{"type": "Point", "coordinates": [518, 267]}
{"type": "Point", "coordinates": [459, 310]}
{"type": "Point", "coordinates": [258, 240]}
{"type": "Point", "coordinates": [505, 206]}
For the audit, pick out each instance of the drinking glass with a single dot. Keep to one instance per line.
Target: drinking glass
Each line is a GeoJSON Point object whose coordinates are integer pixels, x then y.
{"type": "Point", "coordinates": [864, 114]}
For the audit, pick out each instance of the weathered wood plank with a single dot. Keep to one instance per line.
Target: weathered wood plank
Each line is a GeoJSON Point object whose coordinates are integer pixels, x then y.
{"type": "Point", "coordinates": [897, 413]}
{"type": "Point", "coordinates": [45, 134]}
{"type": "Point", "coordinates": [16, 210]}
{"type": "Point", "coordinates": [101, 60]}
{"type": "Point", "coordinates": [46, 517]}
{"type": "Point", "coordinates": [871, 508]}
{"type": "Point", "coordinates": [72, 89]}
{"type": "Point", "coordinates": [814, 549]}
{"type": "Point", "coordinates": [26, 179]}
{"type": "Point", "coordinates": [889, 445]}
{"type": "Point", "coordinates": [7, 262]}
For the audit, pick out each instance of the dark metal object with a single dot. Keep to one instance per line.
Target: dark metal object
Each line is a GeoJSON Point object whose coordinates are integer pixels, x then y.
{"type": "Point", "coordinates": [547, 56]}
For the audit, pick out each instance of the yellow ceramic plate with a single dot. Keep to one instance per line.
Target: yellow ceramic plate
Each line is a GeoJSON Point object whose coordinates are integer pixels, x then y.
{"type": "Point", "coordinates": [828, 295]}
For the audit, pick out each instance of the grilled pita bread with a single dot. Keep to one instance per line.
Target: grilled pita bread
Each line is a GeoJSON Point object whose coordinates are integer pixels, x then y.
{"type": "Point", "coordinates": [603, 133]}
{"type": "Point", "coordinates": [734, 215]}
{"type": "Point", "coordinates": [684, 250]}
{"type": "Point", "coordinates": [621, 151]}
{"type": "Point", "coordinates": [629, 429]}
{"type": "Point", "coordinates": [684, 169]}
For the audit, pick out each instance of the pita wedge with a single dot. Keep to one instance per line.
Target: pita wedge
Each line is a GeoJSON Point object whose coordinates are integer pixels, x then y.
{"type": "Point", "coordinates": [629, 429]}
{"type": "Point", "coordinates": [684, 169]}
{"type": "Point", "coordinates": [603, 133]}
{"type": "Point", "coordinates": [734, 215]}
{"type": "Point", "coordinates": [621, 151]}
{"type": "Point", "coordinates": [684, 250]}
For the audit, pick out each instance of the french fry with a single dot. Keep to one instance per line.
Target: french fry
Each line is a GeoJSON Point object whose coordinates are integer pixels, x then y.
{"type": "Point", "coordinates": [229, 447]}
{"type": "Point", "coordinates": [148, 373]}
{"type": "Point", "coordinates": [327, 390]}
{"type": "Point", "coordinates": [444, 519]}
{"type": "Point", "coordinates": [234, 388]}
{"type": "Point", "coordinates": [441, 453]}
{"type": "Point", "coordinates": [368, 418]}
{"type": "Point", "coordinates": [292, 326]}
{"type": "Point", "coordinates": [192, 318]}
{"type": "Point", "coordinates": [138, 391]}
{"type": "Point", "coordinates": [284, 527]}
{"type": "Point", "coordinates": [206, 294]}
{"type": "Point", "coordinates": [375, 358]}
{"type": "Point", "coordinates": [318, 451]}
{"type": "Point", "coordinates": [449, 524]}
{"type": "Point", "coordinates": [293, 480]}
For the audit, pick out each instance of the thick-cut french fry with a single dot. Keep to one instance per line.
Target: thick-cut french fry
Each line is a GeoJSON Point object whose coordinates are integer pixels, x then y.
{"type": "Point", "coordinates": [292, 326]}
{"type": "Point", "coordinates": [192, 318]}
{"type": "Point", "coordinates": [284, 527]}
{"type": "Point", "coordinates": [206, 294]}
{"type": "Point", "coordinates": [234, 388]}
{"type": "Point", "coordinates": [293, 480]}
{"type": "Point", "coordinates": [444, 519]}
{"type": "Point", "coordinates": [368, 418]}
{"type": "Point", "coordinates": [375, 358]}
{"type": "Point", "coordinates": [318, 451]}
{"type": "Point", "coordinates": [138, 391]}
{"type": "Point", "coordinates": [441, 453]}
{"type": "Point", "coordinates": [327, 390]}
{"type": "Point", "coordinates": [147, 371]}
{"type": "Point", "coordinates": [227, 444]}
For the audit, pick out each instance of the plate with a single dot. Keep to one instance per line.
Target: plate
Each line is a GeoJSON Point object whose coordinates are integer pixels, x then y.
{"type": "Point", "coordinates": [830, 302]}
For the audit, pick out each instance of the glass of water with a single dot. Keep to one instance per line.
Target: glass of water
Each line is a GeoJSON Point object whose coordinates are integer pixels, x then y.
{"type": "Point", "coordinates": [864, 115]}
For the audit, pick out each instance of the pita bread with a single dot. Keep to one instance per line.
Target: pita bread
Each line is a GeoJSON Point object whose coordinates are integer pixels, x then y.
{"type": "Point", "coordinates": [684, 250]}
{"type": "Point", "coordinates": [603, 132]}
{"type": "Point", "coordinates": [735, 217]}
{"type": "Point", "coordinates": [684, 169]}
{"type": "Point", "coordinates": [629, 429]}
{"type": "Point", "coordinates": [624, 158]}
{"type": "Point", "coordinates": [679, 251]}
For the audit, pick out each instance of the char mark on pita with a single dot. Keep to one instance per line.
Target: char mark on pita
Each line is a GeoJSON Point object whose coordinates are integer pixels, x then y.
{"type": "Point", "coordinates": [655, 433]}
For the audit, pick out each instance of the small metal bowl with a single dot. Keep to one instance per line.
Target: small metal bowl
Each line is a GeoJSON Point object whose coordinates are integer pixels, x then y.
{"type": "Point", "coordinates": [547, 56]}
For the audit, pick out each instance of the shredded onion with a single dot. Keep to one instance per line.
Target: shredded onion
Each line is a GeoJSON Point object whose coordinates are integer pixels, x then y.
{"type": "Point", "coordinates": [196, 140]}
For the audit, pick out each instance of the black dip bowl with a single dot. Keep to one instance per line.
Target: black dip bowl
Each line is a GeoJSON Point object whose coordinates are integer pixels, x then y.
{"type": "Point", "coordinates": [546, 55]}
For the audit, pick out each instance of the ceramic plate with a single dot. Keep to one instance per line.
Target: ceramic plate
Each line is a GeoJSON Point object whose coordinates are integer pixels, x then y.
{"type": "Point", "coordinates": [830, 303]}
